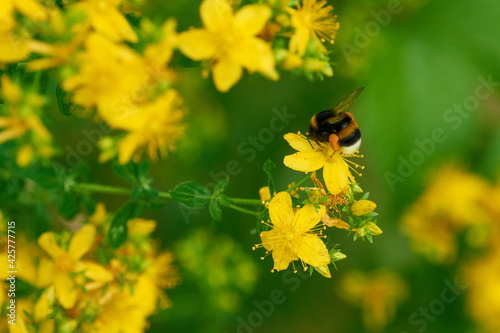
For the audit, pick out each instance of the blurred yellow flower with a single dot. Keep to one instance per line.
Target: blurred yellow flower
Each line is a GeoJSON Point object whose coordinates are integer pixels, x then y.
{"type": "Point", "coordinates": [66, 266]}
{"type": "Point", "coordinates": [155, 125]}
{"type": "Point", "coordinates": [127, 309]}
{"type": "Point", "coordinates": [109, 76]}
{"type": "Point", "coordinates": [230, 40]}
{"type": "Point", "coordinates": [294, 236]}
{"type": "Point", "coordinates": [23, 109]}
{"type": "Point", "coordinates": [107, 20]}
{"type": "Point", "coordinates": [29, 8]}
{"type": "Point", "coordinates": [312, 156]}
{"type": "Point", "coordinates": [451, 204]}
{"type": "Point", "coordinates": [312, 20]}
{"type": "Point", "coordinates": [158, 55]}
{"type": "Point", "coordinates": [377, 293]}
{"type": "Point", "coordinates": [481, 277]}
{"type": "Point", "coordinates": [12, 48]}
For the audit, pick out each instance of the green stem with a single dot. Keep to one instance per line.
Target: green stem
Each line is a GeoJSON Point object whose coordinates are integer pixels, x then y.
{"type": "Point", "coordinates": [299, 183]}
{"type": "Point", "coordinates": [243, 210]}
{"type": "Point", "coordinates": [239, 201]}
{"type": "Point", "coordinates": [165, 195]}
{"type": "Point", "coordinates": [89, 187]}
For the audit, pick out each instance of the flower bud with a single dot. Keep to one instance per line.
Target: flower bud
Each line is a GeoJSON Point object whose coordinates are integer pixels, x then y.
{"type": "Point", "coordinates": [362, 207]}
{"type": "Point", "coordinates": [372, 229]}
{"type": "Point", "coordinates": [361, 232]}
{"type": "Point", "coordinates": [314, 195]}
{"type": "Point", "coordinates": [323, 270]}
{"type": "Point", "coordinates": [336, 255]}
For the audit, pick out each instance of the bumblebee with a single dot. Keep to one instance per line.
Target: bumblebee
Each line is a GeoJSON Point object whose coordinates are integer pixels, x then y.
{"type": "Point", "coordinates": [338, 127]}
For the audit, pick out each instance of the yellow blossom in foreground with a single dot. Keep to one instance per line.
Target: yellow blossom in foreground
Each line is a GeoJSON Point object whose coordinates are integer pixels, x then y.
{"type": "Point", "coordinates": [158, 55]}
{"type": "Point", "coordinates": [294, 236]}
{"type": "Point", "coordinates": [155, 125]}
{"type": "Point", "coordinates": [312, 20]}
{"type": "Point", "coordinates": [106, 19]}
{"type": "Point", "coordinates": [29, 8]}
{"type": "Point", "coordinates": [378, 294]}
{"type": "Point", "coordinates": [66, 263]}
{"type": "Point", "coordinates": [109, 77]}
{"type": "Point", "coordinates": [12, 47]}
{"type": "Point", "coordinates": [127, 311]}
{"type": "Point", "coordinates": [312, 156]}
{"type": "Point", "coordinates": [229, 39]}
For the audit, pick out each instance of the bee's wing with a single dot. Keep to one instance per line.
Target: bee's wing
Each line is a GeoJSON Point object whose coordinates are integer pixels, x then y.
{"type": "Point", "coordinates": [348, 101]}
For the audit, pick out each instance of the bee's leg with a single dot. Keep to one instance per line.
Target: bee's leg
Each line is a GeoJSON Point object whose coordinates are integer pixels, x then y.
{"type": "Point", "coordinates": [333, 141]}
{"type": "Point", "coordinates": [310, 143]}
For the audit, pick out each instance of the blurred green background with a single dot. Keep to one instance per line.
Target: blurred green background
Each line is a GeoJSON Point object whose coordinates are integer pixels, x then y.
{"type": "Point", "coordinates": [416, 63]}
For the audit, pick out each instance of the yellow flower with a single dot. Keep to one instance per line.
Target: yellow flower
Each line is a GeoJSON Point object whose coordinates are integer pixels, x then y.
{"type": "Point", "coordinates": [29, 8]}
{"type": "Point", "coordinates": [109, 76]}
{"type": "Point", "coordinates": [126, 311]}
{"type": "Point", "coordinates": [481, 276]}
{"type": "Point", "coordinates": [23, 114]}
{"type": "Point", "coordinates": [66, 266]}
{"type": "Point", "coordinates": [378, 294]}
{"type": "Point", "coordinates": [312, 156]}
{"type": "Point", "coordinates": [229, 39]}
{"type": "Point", "coordinates": [450, 205]}
{"type": "Point", "coordinates": [294, 236]}
{"type": "Point", "coordinates": [312, 20]}
{"type": "Point", "coordinates": [12, 47]}
{"type": "Point", "coordinates": [158, 55]}
{"type": "Point", "coordinates": [107, 20]}
{"type": "Point", "coordinates": [154, 125]}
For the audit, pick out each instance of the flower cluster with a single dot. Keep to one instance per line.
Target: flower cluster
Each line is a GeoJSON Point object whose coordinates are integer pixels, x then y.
{"type": "Point", "coordinates": [455, 221]}
{"type": "Point", "coordinates": [117, 67]}
{"type": "Point", "coordinates": [78, 283]}
{"type": "Point", "coordinates": [295, 227]}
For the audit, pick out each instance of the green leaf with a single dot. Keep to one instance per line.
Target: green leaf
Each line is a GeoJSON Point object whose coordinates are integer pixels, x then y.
{"type": "Point", "coordinates": [117, 233]}
{"type": "Point", "coordinates": [270, 169]}
{"type": "Point", "coordinates": [222, 185]}
{"type": "Point", "coordinates": [215, 209]}
{"type": "Point", "coordinates": [70, 205]}
{"type": "Point", "coordinates": [365, 196]}
{"type": "Point", "coordinates": [126, 171]}
{"type": "Point", "coordinates": [66, 107]}
{"type": "Point", "coordinates": [191, 194]}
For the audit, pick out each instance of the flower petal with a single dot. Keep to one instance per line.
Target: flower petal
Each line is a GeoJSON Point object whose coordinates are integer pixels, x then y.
{"type": "Point", "coordinates": [251, 19]}
{"type": "Point", "coordinates": [336, 174]}
{"type": "Point", "coordinates": [299, 41]}
{"type": "Point", "coordinates": [300, 142]}
{"type": "Point", "coordinates": [311, 249]}
{"type": "Point", "coordinates": [95, 271]}
{"type": "Point", "coordinates": [81, 242]}
{"type": "Point", "coordinates": [306, 161]}
{"type": "Point", "coordinates": [65, 290]}
{"type": "Point", "coordinates": [226, 73]}
{"type": "Point", "coordinates": [216, 14]}
{"type": "Point", "coordinates": [197, 44]}
{"type": "Point", "coordinates": [255, 55]}
{"type": "Point", "coordinates": [47, 241]}
{"type": "Point", "coordinates": [280, 211]}
{"type": "Point", "coordinates": [307, 217]}
{"type": "Point", "coordinates": [44, 273]}
{"type": "Point", "coordinates": [282, 256]}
